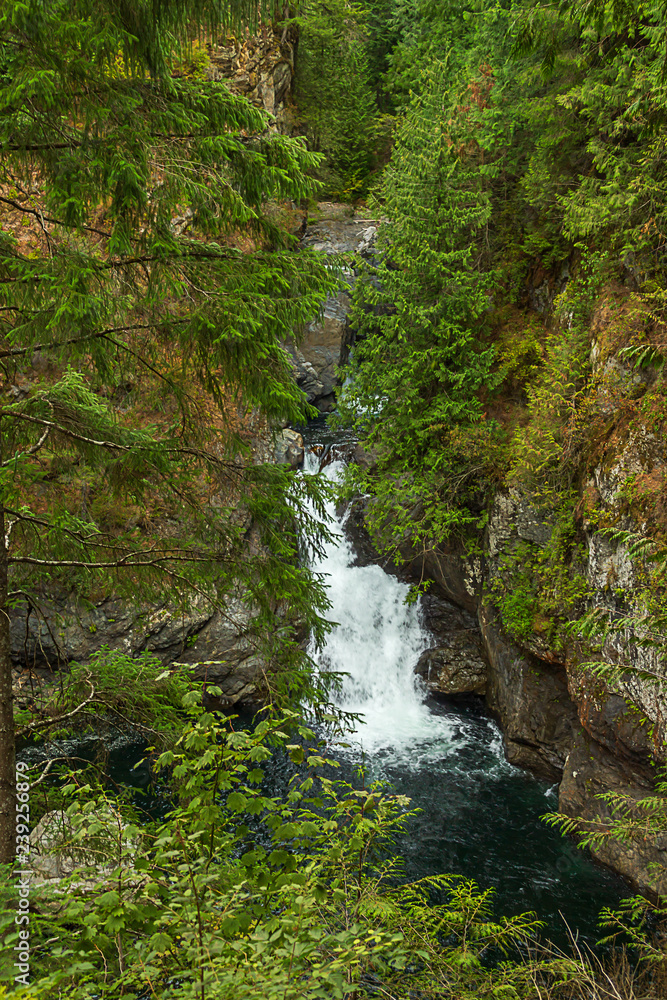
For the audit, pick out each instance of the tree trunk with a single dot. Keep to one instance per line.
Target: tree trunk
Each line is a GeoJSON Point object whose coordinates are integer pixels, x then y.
{"type": "Point", "coordinates": [7, 737]}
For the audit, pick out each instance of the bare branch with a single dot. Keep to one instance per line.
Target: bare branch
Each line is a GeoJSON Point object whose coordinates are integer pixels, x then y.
{"type": "Point", "coordinates": [34, 727]}
{"type": "Point", "coordinates": [18, 351]}
{"type": "Point", "coordinates": [51, 425]}
{"type": "Point", "coordinates": [46, 770]}
{"type": "Point", "coordinates": [124, 562]}
{"type": "Point", "coordinates": [113, 446]}
{"type": "Point", "coordinates": [31, 451]}
{"type": "Point", "coordinates": [41, 218]}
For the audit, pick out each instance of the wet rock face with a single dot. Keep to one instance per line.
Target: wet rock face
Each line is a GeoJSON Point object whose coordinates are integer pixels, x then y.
{"type": "Point", "coordinates": [219, 646]}
{"type": "Point", "coordinates": [456, 668]}
{"type": "Point", "coordinates": [323, 349]}
{"type": "Point", "coordinates": [531, 699]}
{"type": "Point", "coordinates": [544, 286]}
{"type": "Point", "coordinates": [590, 771]}
{"type": "Point", "coordinates": [365, 553]}
{"type": "Point", "coordinates": [338, 231]}
{"type": "Point", "coordinates": [457, 574]}
{"type": "Point", "coordinates": [456, 663]}
{"type": "Point", "coordinates": [306, 376]}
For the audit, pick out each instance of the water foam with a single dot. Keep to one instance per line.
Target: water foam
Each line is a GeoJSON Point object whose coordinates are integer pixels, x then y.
{"type": "Point", "coordinates": [377, 642]}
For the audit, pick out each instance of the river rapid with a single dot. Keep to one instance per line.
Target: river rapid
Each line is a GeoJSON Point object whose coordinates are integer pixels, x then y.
{"type": "Point", "coordinates": [479, 816]}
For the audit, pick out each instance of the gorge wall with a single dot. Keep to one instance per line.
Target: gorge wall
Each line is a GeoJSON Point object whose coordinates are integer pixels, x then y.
{"type": "Point", "coordinates": [259, 67]}
{"type": "Point", "coordinates": [533, 570]}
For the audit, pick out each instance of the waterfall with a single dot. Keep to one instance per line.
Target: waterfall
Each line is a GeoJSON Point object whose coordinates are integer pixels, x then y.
{"type": "Point", "coordinates": [377, 642]}
{"type": "Point", "coordinates": [475, 807]}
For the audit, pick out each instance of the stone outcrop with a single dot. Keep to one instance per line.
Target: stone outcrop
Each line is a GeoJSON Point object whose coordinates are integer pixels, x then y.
{"type": "Point", "coordinates": [324, 347]}
{"type": "Point", "coordinates": [453, 669]}
{"type": "Point", "coordinates": [259, 67]}
{"type": "Point", "coordinates": [458, 575]}
{"type": "Point", "coordinates": [218, 646]}
{"type": "Point", "coordinates": [288, 449]}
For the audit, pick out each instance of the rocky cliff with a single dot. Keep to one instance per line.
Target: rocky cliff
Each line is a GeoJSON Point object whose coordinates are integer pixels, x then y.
{"type": "Point", "coordinates": [259, 67]}
{"type": "Point", "coordinates": [537, 569]}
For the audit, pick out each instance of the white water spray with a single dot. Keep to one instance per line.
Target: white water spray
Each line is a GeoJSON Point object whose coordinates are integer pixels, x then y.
{"type": "Point", "coordinates": [377, 642]}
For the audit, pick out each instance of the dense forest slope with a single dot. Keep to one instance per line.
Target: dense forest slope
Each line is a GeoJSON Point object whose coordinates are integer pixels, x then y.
{"type": "Point", "coordinates": [509, 367]}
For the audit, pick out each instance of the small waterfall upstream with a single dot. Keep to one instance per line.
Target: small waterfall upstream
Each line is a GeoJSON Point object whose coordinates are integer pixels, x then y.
{"type": "Point", "coordinates": [480, 816]}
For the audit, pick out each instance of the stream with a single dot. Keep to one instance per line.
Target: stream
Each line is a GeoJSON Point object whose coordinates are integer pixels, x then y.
{"type": "Point", "coordinates": [480, 816]}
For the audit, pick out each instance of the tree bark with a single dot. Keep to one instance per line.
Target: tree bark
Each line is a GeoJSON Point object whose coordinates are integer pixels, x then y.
{"type": "Point", "coordinates": [7, 734]}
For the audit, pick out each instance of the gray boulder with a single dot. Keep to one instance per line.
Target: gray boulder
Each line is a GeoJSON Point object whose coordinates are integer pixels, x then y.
{"type": "Point", "coordinates": [289, 448]}
{"type": "Point", "coordinates": [61, 845]}
{"type": "Point", "coordinates": [457, 668]}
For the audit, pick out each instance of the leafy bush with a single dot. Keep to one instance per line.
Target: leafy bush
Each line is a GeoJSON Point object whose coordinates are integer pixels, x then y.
{"type": "Point", "coordinates": [239, 895]}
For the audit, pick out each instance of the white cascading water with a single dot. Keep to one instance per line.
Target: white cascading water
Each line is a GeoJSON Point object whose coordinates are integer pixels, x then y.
{"type": "Point", "coordinates": [474, 807]}
{"type": "Point", "coordinates": [377, 643]}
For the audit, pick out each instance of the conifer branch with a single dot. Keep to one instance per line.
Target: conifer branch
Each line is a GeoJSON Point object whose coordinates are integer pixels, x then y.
{"type": "Point", "coordinates": [33, 348]}
{"type": "Point", "coordinates": [78, 536]}
{"type": "Point", "coordinates": [145, 363]}
{"type": "Point", "coordinates": [31, 451]}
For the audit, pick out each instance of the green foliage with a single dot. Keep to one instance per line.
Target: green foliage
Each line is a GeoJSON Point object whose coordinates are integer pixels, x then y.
{"type": "Point", "coordinates": [538, 588]}
{"type": "Point", "coordinates": [334, 95]}
{"type": "Point", "coordinates": [518, 602]}
{"type": "Point", "coordinates": [546, 455]}
{"type": "Point", "coordinates": [238, 894]}
{"type": "Point", "coordinates": [139, 340]}
{"type": "Point", "coordinates": [121, 689]}
{"type": "Point", "coordinates": [419, 370]}
{"type": "Point", "coordinates": [194, 63]}
{"type": "Point", "coordinates": [424, 33]}
{"type": "Point", "coordinates": [611, 105]}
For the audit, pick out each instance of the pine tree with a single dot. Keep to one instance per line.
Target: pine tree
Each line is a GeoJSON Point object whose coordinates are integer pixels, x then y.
{"type": "Point", "coordinates": [134, 329]}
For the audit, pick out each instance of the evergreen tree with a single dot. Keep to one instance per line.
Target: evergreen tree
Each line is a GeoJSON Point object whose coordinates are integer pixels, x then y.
{"type": "Point", "coordinates": [134, 329]}
{"type": "Point", "coordinates": [426, 33]}
{"type": "Point", "coordinates": [421, 361]}
{"type": "Point", "coordinates": [334, 94]}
